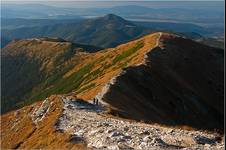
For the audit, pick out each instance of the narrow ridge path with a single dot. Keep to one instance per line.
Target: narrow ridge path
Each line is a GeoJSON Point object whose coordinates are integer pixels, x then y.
{"type": "Point", "coordinates": [158, 40]}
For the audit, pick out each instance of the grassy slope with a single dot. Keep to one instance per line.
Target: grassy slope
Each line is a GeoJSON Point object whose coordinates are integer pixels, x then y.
{"type": "Point", "coordinates": [33, 63]}
{"type": "Point", "coordinates": [83, 76]}
{"type": "Point", "coordinates": [19, 132]}
{"type": "Point", "coordinates": [59, 69]}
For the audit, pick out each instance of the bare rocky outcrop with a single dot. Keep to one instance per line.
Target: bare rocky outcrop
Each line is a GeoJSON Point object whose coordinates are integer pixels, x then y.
{"type": "Point", "coordinates": [87, 123]}
{"type": "Point", "coordinates": [40, 112]}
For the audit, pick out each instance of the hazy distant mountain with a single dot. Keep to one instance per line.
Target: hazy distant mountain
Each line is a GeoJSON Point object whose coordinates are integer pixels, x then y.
{"type": "Point", "coordinates": [174, 27]}
{"type": "Point", "coordinates": [133, 11]}
{"type": "Point", "coordinates": [13, 23]}
{"type": "Point", "coordinates": [107, 31]}
{"type": "Point", "coordinates": [208, 17]}
{"type": "Point", "coordinates": [35, 11]}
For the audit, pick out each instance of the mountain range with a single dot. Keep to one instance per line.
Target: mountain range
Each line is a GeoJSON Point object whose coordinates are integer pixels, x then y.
{"type": "Point", "coordinates": [107, 31]}
{"type": "Point", "coordinates": [202, 12]}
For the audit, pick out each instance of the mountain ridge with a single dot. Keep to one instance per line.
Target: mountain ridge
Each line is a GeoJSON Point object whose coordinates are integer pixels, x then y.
{"type": "Point", "coordinates": [126, 79]}
{"type": "Point", "coordinates": [154, 56]}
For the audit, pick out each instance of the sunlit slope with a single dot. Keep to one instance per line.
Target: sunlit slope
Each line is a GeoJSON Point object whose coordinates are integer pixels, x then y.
{"type": "Point", "coordinates": [32, 62]}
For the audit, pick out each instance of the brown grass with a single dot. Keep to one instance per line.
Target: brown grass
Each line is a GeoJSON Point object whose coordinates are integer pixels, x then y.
{"type": "Point", "coordinates": [134, 59]}
{"type": "Point", "coordinates": [25, 135]}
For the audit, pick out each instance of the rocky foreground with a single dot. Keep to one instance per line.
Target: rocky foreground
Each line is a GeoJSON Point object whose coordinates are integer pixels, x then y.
{"type": "Point", "coordinates": [87, 123]}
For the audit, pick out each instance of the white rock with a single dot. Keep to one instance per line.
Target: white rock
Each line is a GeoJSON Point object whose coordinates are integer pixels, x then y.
{"type": "Point", "coordinates": [115, 133]}
{"type": "Point", "coordinates": [103, 132]}
{"type": "Point", "coordinates": [146, 138]}
{"type": "Point", "coordinates": [113, 147]}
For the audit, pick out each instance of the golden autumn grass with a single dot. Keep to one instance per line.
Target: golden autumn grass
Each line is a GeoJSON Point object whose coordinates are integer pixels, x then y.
{"type": "Point", "coordinates": [26, 135]}
{"type": "Point", "coordinates": [109, 56]}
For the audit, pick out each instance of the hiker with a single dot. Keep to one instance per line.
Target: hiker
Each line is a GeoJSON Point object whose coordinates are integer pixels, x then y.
{"type": "Point", "coordinates": [94, 101]}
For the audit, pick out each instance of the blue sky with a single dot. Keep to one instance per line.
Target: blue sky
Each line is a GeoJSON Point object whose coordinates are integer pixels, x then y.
{"type": "Point", "coordinates": [194, 4]}
{"type": "Point", "coordinates": [93, 3]}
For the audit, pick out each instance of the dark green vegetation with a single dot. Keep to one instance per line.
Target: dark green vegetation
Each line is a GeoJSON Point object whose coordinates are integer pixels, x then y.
{"type": "Point", "coordinates": [107, 31]}
{"type": "Point", "coordinates": [89, 86]}
{"type": "Point", "coordinates": [56, 84]}
{"type": "Point", "coordinates": [62, 85]}
{"type": "Point", "coordinates": [18, 76]}
{"type": "Point", "coordinates": [128, 52]}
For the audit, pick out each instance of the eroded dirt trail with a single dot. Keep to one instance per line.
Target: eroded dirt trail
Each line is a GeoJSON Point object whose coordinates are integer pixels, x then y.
{"type": "Point", "coordinates": [88, 123]}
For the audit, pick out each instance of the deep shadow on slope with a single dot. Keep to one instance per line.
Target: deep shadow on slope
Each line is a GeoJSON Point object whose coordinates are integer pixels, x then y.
{"type": "Point", "coordinates": [19, 76]}
{"type": "Point", "coordinates": [182, 84]}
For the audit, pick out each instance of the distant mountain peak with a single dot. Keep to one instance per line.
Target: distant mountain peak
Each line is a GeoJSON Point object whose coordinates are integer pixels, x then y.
{"type": "Point", "coordinates": [113, 17]}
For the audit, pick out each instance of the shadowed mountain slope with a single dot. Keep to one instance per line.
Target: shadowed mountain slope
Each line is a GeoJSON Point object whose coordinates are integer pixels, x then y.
{"type": "Point", "coordinates": [181, 83]}
{"type": "Point", "coordinates": [159, 78]}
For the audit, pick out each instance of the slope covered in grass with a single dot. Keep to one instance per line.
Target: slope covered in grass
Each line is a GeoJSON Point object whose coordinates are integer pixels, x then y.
{"type": "Point", "coordinates": [28, 63]}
